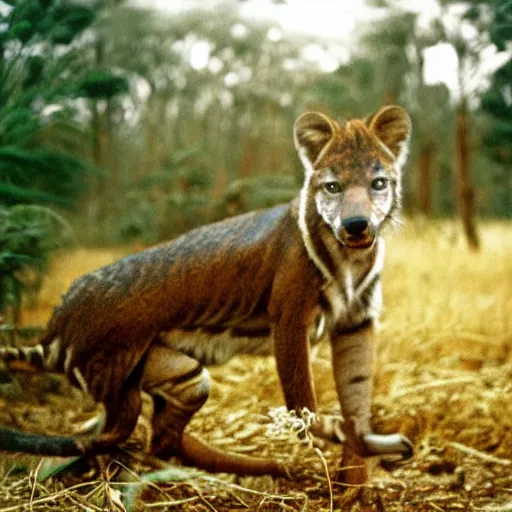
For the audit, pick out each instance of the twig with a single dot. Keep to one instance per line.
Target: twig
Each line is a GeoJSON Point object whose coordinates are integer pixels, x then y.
{"type": "Point", "coordinates": [140, 481]}
{"type": "Point", "coordinates": [237, 498]}
{"type": "Point", "coordinates": [481, 455]}
{"type": "Point", "coordinates": [480, 338]}
{"type": "Point", "coordinates": [244, 489]}
{"type": "Point", "coordinates": [87, 507]}
{"type": "Point", "coordinates": [46, 499]}
{"type": "Point", "coordinates": [499, 508]}
{"type": "Point", "coordinates": [202, 498]}
{"type": "Point", "coordinates": [282, 506]}
{"type": "Point", "coordinates": [33, 490]}
{"type": "Point", "coordinates": [328, 476]}
{"type": "Point", "coordinates": [434, 384]}
{"type": "Point", "coordinates": [175, 503]}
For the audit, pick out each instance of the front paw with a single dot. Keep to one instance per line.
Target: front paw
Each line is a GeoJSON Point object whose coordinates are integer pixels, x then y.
{"type": "Point", "coordinates": [328, 426]}
{"type": "Point", "coordinates": [389, 444]}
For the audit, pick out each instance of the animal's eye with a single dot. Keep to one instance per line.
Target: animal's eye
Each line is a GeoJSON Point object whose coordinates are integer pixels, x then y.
{"type": "Point", "coordinates": [332, 187]}
{"type": "Point", "coordinates": [379, 183]}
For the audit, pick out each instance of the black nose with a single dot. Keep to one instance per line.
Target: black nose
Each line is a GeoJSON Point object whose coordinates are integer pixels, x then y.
{"type": "Point", "coordinates": [355, 226]}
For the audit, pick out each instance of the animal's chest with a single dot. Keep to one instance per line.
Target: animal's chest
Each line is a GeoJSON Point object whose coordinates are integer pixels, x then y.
{"type": "Point", "coordinates": [349, 301]}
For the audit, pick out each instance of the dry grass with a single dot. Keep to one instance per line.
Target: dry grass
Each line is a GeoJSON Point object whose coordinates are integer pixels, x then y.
{"type": "Point", "coordinates": [444, 378]}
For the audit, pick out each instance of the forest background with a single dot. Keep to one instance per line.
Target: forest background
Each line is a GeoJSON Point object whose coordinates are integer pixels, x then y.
{"type": "Point", "coordinates": [123, 125]}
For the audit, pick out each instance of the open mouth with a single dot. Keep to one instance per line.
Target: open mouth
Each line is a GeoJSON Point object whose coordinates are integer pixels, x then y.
{"type": "Point", "coordinates": [359, 242]}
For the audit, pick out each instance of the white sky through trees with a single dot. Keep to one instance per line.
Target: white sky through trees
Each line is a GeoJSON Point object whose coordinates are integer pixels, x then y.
{"type": "Point", "coordinates": [336, 21]}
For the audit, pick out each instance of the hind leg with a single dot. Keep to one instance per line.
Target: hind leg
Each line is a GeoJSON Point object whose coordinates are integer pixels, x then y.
{"type": "Point", "coordinates": [118, 389]}
{"type": "Point", "coordinates": [121, 412]}
{"type": "Point", "coordinates": [179, 386]}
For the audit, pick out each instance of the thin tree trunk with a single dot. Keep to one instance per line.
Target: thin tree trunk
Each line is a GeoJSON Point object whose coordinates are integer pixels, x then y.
{"type": "Point", "coordinates": [425, 180]}
{"type": "Point", "coordinates": [111, 149]}
{"type": "Point", "coordinates": [95, 209]}
{"type": "Point", "coordinates": [96, 194]}
{"type": "Point", "coordinates": [151, 134]}
{"type": "Point", "coordinates": [248, 159]}
{"type": "Point", "coordinates": [465, 189]}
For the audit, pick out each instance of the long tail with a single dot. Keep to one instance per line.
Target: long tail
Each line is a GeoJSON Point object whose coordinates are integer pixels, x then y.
{"type": "Point", "coordinates": [194, 452]}
{"type": "Point", "coordinates": [39, 444]}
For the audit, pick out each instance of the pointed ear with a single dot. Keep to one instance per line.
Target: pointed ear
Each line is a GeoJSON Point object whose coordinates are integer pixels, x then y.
{"type": "Point", "coordinates": [312, 133]}
{"type": "Point", "coordinates": [393, 127]}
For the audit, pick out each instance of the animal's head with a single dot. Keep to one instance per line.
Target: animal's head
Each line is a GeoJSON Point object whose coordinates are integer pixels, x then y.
{"type": "Point", "coordinates": [353, 170]}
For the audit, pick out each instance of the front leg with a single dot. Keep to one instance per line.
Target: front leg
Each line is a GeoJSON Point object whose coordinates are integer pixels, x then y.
{"type": "Point", "coordinates": [352, 357]}
{"type": "Point", "coordinates": [291, 347]}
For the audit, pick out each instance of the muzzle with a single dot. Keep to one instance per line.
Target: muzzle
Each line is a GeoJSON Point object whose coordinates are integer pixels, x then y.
{"type": "Point", "coordinates": [356, 233]}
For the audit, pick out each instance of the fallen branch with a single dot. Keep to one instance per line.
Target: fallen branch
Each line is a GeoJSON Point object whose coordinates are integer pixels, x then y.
{"type": "Point", "coordinates": [480, 455]}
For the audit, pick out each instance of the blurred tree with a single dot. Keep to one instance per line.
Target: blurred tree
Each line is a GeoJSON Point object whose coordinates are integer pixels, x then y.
{"type": "Point", "coordinates": [497, 103]}
{"type": "Point", "coordinates": [399, 77]}
{"type": "Point", "coordinates": [468, 51]}
{"type": "Point", "coordinates": [41, 76]}
{"type": "Point", "coordinates": [391, 39]}
{"type": "Point", "coordinates": [217, 83]}
{"type": "Point", "coordinates": [42, 157]}
{"type": "Point", "coordinates": [28, 235]}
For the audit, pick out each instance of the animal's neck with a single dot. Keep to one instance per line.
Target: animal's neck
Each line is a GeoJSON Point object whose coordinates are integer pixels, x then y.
{"type": "Point", "coordinates": [336, 262]}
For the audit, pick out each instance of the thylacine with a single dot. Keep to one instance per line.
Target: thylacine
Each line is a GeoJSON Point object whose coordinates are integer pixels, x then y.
{"type": "Point", "coordinates": [293, 273]}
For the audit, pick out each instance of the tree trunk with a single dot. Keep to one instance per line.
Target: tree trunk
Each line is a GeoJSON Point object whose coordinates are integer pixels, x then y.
{"type": "Point", "coordinates": [248, 159]}
{"type": "Point", "coordinates": [425, 180]}
{"type": "Point", "coordinates": [465, 189]}
{"type": "Point", "coordinates": [95, 208]}
{"type": "Point", "coordinates": [111, 149]}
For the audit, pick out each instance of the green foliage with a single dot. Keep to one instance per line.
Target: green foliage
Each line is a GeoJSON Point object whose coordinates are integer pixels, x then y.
{"type": "Point", "coordinates": [12, 194]}
{"type": "Point", "coordinates": [55, 21]}
{"type": "Point", "coordinates": [37, 84]}
{"type": "Point", "coordinates": [165, 202]}
{"type": "Point", "coordinates": [48, 175]}
{"type": "Point", "coordinates": [43, 143]}
{"type": "Point", "coordinates": [65, 21]}
{"type": "Point", "coordinates": [255, 193]}
{"type": "Point", "coordinates": [101, 84]}
{"type": "Point", "coordinates": [28, 235]}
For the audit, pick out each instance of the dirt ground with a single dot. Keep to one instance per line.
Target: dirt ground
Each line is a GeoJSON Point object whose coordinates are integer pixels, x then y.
{"type": "Point", "coordinates": [443, 378]}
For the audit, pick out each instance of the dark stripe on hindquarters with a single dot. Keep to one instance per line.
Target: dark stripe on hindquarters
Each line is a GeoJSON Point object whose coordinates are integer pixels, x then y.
{"type": "Point", "coordinates": [33, 355]}
{"type": "Point", "coordinates": [244, 332]}
{"type": "Point", "coordinates": [187, 376]}
{"type": "Point", "coordinates": [9, 354]}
